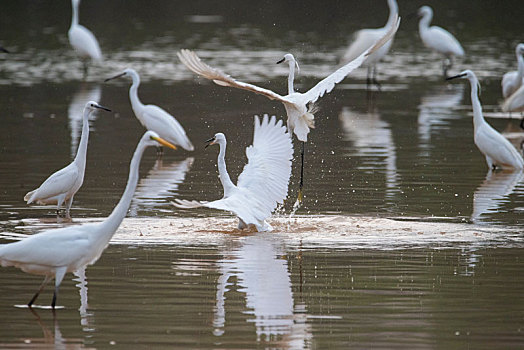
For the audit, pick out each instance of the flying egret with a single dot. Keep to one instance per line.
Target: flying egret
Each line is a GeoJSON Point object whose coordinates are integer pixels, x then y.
{"type": "Point", "coordinates": [62, 186]}
{"type": "Point", "coordinates": [300, 118]}
{"type": "Point", "coordinates": [499, 152]}
{"type": "Point", "coordinates": [264, 181]}
{"type": "Point", "coordinates": [153, 117]}
{"type": "Point", "coordinates": [511, 81]}
{"type": "Point", "coordinates": [82, 40]}
{"type": "Point", "coordinates": [364, 38]}
{"type": "Point", "coordinates": [52, 253]}
{"type": "Point", "coordinates": [438, 39]}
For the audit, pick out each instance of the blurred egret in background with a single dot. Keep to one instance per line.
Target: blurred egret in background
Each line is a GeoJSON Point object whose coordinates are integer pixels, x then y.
{"type": "Point", "coordinates": [54, 252]}
{"type": "Point", "coordinates": [512, 81]}
{"type": "Point", "coordinates": [155, 118]}
{"type": "Point", "coordinates": [438, 39]}
{"type": "Point", "coordinates": [82, 40]}
{"type": "Point", "coordinates": [299, 106]}
{"type": "Point", "coordinates": [264, 181]}
{"type": "Point", "coordinates": [62, 186]}
{"type": "Point", "coordinates": [364, 38]}
{"type": "Point", "coordinates": [499, 152]}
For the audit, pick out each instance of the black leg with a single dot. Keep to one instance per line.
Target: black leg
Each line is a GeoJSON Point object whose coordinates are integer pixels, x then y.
{"type": "Point", "coordinates": [301, 184]}
{"type": "Point", "coordinates": [375, 81]}
{"type": "Point", "coordinates": [42, 286]}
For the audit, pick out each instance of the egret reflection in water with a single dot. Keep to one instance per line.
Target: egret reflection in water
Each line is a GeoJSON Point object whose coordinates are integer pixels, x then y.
{"type": "Point", "coordinates": [259, 270]}
{"type": "Point", "coordinates": [161, 182]}
{"type": "Point", "coordinates": [494, 192]}
{"type": "Point", "coordinates": [85, 93]}
{"type": "Point", "coordinates": [436, 108]}
{"type": "Point", "coordinates": [373, 141]}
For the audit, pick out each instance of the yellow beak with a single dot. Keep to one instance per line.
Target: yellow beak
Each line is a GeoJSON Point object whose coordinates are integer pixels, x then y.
{"type": "Point", "coordinates": [163, 142]}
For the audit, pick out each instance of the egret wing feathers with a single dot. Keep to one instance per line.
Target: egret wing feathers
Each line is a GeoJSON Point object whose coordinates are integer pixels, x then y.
{"type": "Point", "coordinates": [167, 127]}
{"type": "Point", "coordinates": [515, 103]}
{"type": "Point", "coordinates": [191, 60]}
{"type": "Point", "coordinates": [58, 183]}
{"type": "Point", "coordinates": [498, 148]}
{"type": "Point", "coordinates": [327, 84]}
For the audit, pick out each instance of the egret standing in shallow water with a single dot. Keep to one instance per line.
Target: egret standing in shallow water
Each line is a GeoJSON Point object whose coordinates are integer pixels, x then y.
{"type": "Point", "coordinates": [512, 81]}
{"type": "Point", "coordinates": [264, 181]}
{"type": "Point", "coordinates": [155, 118]}
{"type": "Point", "coordinates": [499, 152]}
{"type": "Point", "coordinates": [300, 118]}
{"type": "Point", "coordinates": [364, 38]}
{"type": "Point", "coordinates": [82, 40]}
{"type": "Point", "coordinates": [53, 253]}
{"type": "Point", "coordinates": [438, 39]}
{"type": "Point", "coordinates": [62, 186]}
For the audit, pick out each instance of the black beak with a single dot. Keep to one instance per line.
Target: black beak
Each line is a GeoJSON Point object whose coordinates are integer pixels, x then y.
{"type": "Point", "coordinates": [282, 60]}
{"type": "Point", "coordinates": [209, 142]}
{"type": "Point", "coordinates": [456, 76]}
{"type": "Point", "coordinates": [116, 76]}
{"type": "Point", "coordinates": [102, 107]}
{"type": "Point", "coordinates": [3, 50]}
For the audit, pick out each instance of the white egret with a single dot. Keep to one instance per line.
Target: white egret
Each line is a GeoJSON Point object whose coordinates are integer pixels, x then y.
{"type": "Point", "coordinates": [364, 38]}
{"type": "Point", "coordinates": [499, 152]}
{"type": "Point", "coordinates": [300, 118]}
{"type": "Point", "coordinates": [515, 103]}
{"type": "Point", "coordinates": [153, 117]}
{"type": "Point", "coordinates": [62, 185]}
{"type": "Point", "coordinates": [82, 40]}
{"type": "Point", "coordinates": [53, 253]}
{"type": "Point", "coordinates": [511, 81]}
{"type": "Point", "coordinates": [264, 181]}
{"type": "Point", "coordinates": [438, 39]}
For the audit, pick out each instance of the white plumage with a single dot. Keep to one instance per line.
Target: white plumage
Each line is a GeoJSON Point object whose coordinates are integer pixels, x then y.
{"type": "Point", "coordinates": [155, 118]}
{"type": "Point", "coordinates": [62, 185]}
{"type": "Point", "coordinates": [264, 181]}
{"type": "Point", "coordinates": [499, 152]}
{"type": "Point", "coordinates": [438, 39]}
{"type": "Point", "coordinates": [81, 39]}
{"type": "Point", "coordinates": [515, 103]}
{"type": "Point", "coordinates": [53, 253]}
{"type": "Point", "coordinates": [300, 119]}
{"type": "Point", "coordinates": [364, 38]}
{"type": "Point", "coordinates": [512, 81]}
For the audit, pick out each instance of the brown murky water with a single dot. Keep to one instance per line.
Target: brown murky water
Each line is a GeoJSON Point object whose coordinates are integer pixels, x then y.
{"type": "Point", "coordinates": [405, 240]}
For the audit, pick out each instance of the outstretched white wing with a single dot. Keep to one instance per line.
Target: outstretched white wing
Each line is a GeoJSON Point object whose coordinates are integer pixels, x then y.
{"type": "Point", "coordinates": [267, 173]}
{"type": "Point", "coordinates": [327, 84]}
{"type": "Point", "coordinates": [193, 62]}
{"type": "Point", "coordinates": [264, 181]}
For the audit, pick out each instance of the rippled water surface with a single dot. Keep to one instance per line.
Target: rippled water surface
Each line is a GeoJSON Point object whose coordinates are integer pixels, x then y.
{"type": "Point", "coordinates": [404, 239]}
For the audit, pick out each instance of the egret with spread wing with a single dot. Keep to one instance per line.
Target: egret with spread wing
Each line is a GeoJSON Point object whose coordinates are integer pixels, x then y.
{"type": "Point", "coordinates": [364, 38]}
{"type": "Point", "coordinates": [153, 117]}
{"type": "Point", "coordinates": [299, 118]}
{"type": "Point", "coordinates": [499, 152]}
{"type": "Point", "coordinates": [512, 81]}
{"type": "Point", "coordinates": [62, 186]}
{"type": "Point", "coordinates": [438, 39]}
{"type": "Point", "coordinates": [82, 40]}
{"type": "Point", "coordinates": [53, 253]}
{"type": "Point", "coordinates": [264, 181]}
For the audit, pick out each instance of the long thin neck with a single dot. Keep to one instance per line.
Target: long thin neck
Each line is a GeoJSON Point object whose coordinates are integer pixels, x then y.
{"type": "Point", "coordinates": [478, 118]}
{"type": "Point", "coordinates": [80, 157]}
{"type": "Point", "coordinates": [291, 78]}
{"type": "Point", "coordinates": [425, 21]}
{"type": "Point", "coordinates": [520, 71]}
{"type": "Point", "coordinates": [74, 19]}
{"type": "Point", "coordinates": [119, 213]}
{"type": "Point", "coordinates": [393, 11]}
{"type": "Point", "coordinates": [133, 93]}
{"type": "Point", "coordinates": [227, 184]}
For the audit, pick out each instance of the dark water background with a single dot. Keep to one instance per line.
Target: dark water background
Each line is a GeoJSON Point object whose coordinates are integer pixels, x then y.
{"type": "Point", "coordinates": [405, 153]}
